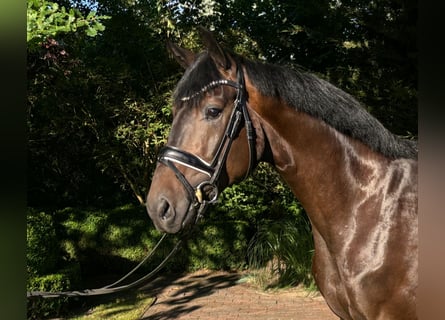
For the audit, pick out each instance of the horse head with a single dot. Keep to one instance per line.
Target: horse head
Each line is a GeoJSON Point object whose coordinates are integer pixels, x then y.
{"type": "Point", "coordinates": [212, 142]}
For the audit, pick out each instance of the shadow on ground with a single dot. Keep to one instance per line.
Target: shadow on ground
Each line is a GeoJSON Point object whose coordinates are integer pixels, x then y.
{"type": "Point", "coordinates": [178, 303]}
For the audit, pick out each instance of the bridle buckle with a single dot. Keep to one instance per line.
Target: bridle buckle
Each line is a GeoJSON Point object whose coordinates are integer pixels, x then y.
{"type": "Point", "coordinates": [206, 191]}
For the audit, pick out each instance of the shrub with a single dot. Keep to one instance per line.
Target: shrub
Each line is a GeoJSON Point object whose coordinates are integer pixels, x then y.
{"type": "Point", "coordinates": [38, 308]}
{"type": "Point", "coordinates": [105, 241]}
{"type": "Point", "coordinates": [42, 250]}
{"type": "Point", "coordinates": [219, 244]}
{"type": "Point", "coordinates": [287, 246]}
{"type": "Point", "coordinates": [47, 271]}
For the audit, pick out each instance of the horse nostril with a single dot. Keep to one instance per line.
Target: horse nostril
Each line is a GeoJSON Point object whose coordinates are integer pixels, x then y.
{"type": "Point", "coordinates": [165, 210]}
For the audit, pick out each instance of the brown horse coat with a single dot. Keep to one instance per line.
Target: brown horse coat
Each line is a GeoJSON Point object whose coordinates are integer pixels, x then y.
{"type": "Point", "coordinates": [356, 181]}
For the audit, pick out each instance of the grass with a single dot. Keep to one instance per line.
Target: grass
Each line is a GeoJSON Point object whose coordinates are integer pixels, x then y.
{"type": "Point", "coordinates": [281, 253]}
{"type": "Point", "coordinates": [109, 242]}
{"type": "Point", "coordinates": [129, 306]}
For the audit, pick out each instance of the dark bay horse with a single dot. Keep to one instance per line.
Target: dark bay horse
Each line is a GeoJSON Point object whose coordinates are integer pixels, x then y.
{"type": "Point", "coordinates": [355, 179]}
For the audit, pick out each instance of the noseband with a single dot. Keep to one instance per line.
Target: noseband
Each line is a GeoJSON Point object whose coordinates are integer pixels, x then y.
{"type": "Point", "coordinates": [207, 191]}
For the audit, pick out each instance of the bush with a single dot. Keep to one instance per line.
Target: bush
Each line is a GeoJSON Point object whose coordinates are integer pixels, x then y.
{"type": "Point", "coordinates": [285, 245]}
{"type": "Point", "coordinates": [38, 308]}
{"type": "Point", "coordinates": [105, 241]}
{"type": "Point", "coordinates": [219, 244]}
{"type": "Point", "coordinates": [113, 242]}
{"type": "Point", "coordinates": [46, 268]}
{"type": "Point", "coordinates": [42, 250]}
{"type": "Point", "coordinates": [256, 222]}
{"type": "Point", "coordinates": [278, 231]}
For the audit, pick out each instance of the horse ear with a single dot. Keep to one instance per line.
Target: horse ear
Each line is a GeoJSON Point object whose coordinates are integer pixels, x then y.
{"type": "Point", "coordinates": [217, 53]}
{"type": "Point", "coordinates": [183, 56]}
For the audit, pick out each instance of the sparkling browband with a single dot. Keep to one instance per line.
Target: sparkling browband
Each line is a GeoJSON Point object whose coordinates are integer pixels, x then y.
{"type": "Point", "coordinates": [212, 85]}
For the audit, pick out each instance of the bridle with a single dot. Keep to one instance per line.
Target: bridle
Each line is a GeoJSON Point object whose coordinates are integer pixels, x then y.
{"type": "Point", "coordinates": [207, 191]}
{"type": "Point", "coordinates": [198, 195]}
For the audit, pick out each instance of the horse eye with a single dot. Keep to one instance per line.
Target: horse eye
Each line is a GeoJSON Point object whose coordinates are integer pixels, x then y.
{"type": "Point", "coordinates": [213, 112]}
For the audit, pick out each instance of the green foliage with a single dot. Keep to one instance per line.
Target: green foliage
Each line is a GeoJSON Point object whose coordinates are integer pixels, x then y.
{"type": "Point", "coordinates": [42, 252]}
{"type": "Point", "coordinates": [46, 267]}
{"type": "Point", "coordinates": [288, 246]}
{"type": "Point", "coordinates": [366, 49]}
{"type": "Point", "coordinates": [47, 19]}
{"type": "Point", "coordinates": [96, 118]}
{"type": "Point", "coordinates": [254, 196]}
{"type": "Point", "coordinates": [219, 244]}
{"type": "Point", "coordinates": [279, 232]}
{"type": "Point", "coordinates": [99, 110]}
{"type": "Point", "coordinates": [44, 308]}
{"type": "Point", "coordinates": [65, 279]}
{"type": "Point", "coordinates": [114, 241]}
{"type": "Point", "coordinates": [103, 241]}
{"type": "Point", "coordinates": [141, 128]}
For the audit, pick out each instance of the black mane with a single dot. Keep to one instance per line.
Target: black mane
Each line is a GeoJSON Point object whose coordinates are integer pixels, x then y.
{"type": "Point", "coordinates": [322, 100]}
{"type": "Point", "coordinates": [309, 94]}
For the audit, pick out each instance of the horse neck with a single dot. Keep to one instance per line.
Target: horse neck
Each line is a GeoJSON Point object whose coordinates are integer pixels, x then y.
{"type": "Point", "coordinates": [324, 168]}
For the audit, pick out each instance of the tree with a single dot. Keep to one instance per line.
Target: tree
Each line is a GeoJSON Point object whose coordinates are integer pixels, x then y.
{"type": "Point", "coordinates": [50, 69]}
{"type": "Point", "coordinates": [46, 19]}
{"type": "Point", "coordinates": [97, 112]}
{"type": "Point", "coordinates": [366, 48]}
{"type": "Point", "coordinates": [99, 107]}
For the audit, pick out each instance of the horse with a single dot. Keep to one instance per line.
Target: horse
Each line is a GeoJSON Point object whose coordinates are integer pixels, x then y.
{"type": "Point", "coordinates": [355, 179]}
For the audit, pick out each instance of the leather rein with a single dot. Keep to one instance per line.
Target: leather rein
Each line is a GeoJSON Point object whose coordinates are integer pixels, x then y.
{"type": "Point", "coordinates": [201, 196]}
{"type": "Point", "coordinates": [112, 288]}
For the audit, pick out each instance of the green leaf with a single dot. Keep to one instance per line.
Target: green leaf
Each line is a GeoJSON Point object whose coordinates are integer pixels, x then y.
{"type": "Point", "coordinates": [91, 32]}
{"type": "Point", "coordinates": [47, 19]}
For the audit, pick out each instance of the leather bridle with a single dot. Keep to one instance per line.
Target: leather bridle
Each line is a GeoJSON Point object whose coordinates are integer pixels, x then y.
{"type": "Point", "coordinates": [207, 191]}
{"type": "Point", "coordinates": [200, 196]}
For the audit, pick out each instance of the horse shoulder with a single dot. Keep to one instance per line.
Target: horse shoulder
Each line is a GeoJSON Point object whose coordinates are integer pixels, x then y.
{"type": "Point", "coordinates": [373, 272]}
